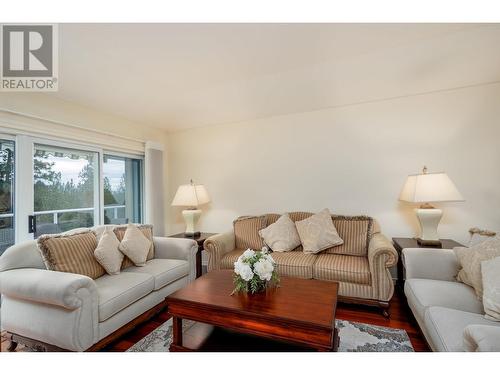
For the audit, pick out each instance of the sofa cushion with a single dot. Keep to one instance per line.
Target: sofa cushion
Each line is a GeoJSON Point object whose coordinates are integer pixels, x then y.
{"type": "Point", "coordinates": [119, 291]}
{"type": "Point", "coordinates": [164, 271]}
{"type": "Point", "coordinates": [445, 327]}
{"type": "Point", "coordinates": [146, 229]}
{"type": "Point", "coordinates": [317, 233]}
{"type": "Point", "coordinates": [356, 231]}
{"type": "Point", "coordinates": [295, 264]}
{"type": "Point", "coordinates": [470, 260]}
{"type": "Point", "coordinates": [71, 252]}
{"type": "Point", "coordinates": [246, 232]}
{"type": "Point", "coordinates": [423, 293]}
{"type": "Point", "coordinates": [281, 235]}
{"type": "Point", "coordinates": [227, 261]}
{"type": "Point", "coordinates": [346, 268]}
{"type": "Point", "coordinates": [292, 263]}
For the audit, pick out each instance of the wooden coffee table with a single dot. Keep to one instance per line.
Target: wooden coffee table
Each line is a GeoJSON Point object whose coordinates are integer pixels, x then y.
{"type": "Point", "coordinates": [299, 311]}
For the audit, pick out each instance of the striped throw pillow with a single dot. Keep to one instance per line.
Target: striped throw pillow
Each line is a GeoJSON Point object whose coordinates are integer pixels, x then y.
{"type": "Point", "coordinates": [73, 253]}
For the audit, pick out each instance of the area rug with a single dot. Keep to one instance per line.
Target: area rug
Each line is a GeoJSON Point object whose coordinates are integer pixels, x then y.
{"type": "Point", "coordinates": [354, 337]}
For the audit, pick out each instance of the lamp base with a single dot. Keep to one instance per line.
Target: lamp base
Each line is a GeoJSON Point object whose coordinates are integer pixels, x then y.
{"type": "Point", "coordinates": [429, 219]}
{"type": "Point", "coordinates": [191, 218]}
{"type": "Point", "coordinates": [429, 243]}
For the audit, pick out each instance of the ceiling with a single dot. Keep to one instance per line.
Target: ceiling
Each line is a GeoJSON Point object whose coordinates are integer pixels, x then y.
{"type": "Point", "coordinates": [180, 76]}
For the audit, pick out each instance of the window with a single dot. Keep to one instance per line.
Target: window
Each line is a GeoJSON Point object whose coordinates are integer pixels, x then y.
{"type": "Point", "coordinates": [7, 160]}
{"type": "Point", "coordinates": [49, 187]}
{"type": "Point", "coordinates": [122, 189]}
{"type": "Point", "coordinates": [66, 189]}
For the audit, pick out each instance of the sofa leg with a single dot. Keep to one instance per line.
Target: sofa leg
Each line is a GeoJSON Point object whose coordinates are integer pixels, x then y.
{"type": "Point", "coordinates": [385, 309]}
{"type": "Point", "coordinates": [12, 346]}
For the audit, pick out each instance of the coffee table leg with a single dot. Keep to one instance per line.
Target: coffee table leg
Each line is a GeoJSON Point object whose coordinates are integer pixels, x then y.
{"type": "Point", "coordinates": [177, 339]}
{"type": "Point", "coordinates": [336, 340]}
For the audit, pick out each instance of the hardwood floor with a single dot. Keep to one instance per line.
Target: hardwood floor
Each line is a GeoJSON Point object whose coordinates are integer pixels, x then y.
{"type": "Point", "coordinates": [401, 317]}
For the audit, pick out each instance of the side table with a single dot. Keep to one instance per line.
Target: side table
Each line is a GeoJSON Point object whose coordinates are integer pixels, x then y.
{"type": "Point", "coordinates": [401, 243]}
{"type": "Point", "coordinates": [200, 239]}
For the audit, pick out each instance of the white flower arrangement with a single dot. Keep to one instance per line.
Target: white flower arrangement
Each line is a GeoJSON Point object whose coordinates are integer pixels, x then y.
{"type": "Point", "coordinates": [254, 271]}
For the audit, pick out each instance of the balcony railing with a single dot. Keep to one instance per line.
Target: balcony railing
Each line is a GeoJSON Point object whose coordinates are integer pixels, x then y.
{"type": "Point", "coordinates": [7, 233]}
{"type": "Point", "coordinates": [56, 213]}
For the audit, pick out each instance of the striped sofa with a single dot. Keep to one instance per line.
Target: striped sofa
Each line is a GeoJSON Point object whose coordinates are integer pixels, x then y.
{"type": "Point", "coordinates": [360, 265]}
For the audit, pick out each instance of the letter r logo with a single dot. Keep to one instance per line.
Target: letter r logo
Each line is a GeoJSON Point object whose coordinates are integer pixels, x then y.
{"type": "Point", "coordinates": [27, 50]}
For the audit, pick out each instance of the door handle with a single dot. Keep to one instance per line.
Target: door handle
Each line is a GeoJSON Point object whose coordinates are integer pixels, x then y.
{"type": "Point", "coordinates": [31, 224]}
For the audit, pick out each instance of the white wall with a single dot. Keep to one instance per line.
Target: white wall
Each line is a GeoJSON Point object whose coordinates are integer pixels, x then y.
{"type": "Point", "coordinates": [352, 159]}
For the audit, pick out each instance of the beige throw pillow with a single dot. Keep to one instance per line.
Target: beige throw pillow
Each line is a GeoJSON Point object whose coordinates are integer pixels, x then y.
{"type": "Point", "coordinates": [108, 254]}
{"type": "Point", "coordinates": [282, 235]}
{"type": "Point", "coordinates": [135, 245]}
{"type": "Point", "coordinates": [470, 260]}
{"type": "Point", "coordinates": [318, 233]}
{"type": "Point", "coordinates": [490, 270]}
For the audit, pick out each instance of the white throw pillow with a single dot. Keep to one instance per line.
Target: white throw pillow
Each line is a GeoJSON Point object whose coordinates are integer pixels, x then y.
{"type": "Point", "coordinates": [107, 253]}
{"type": "Point", "coordinates": [470, 260]}
{"type": "Point", "coordinates": [317, 232]}
{"type": "Point", "coordinates": [135, 245]}
{"type": "Point", "coordinates": [490, 270]}
{"type": "Point", "coordinates": [282, 235]}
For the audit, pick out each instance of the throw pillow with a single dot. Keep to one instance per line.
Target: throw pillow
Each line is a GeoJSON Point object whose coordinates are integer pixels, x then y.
{"type": "Point", "coordinates": [282, 235]}
{"type": "Point", "coordinates": [135, 245]}
{"type": "Point", "coordinates": [246, 232]}
{"type": "Point", "coordinates": [470, 260]}
{"type": "Point", "coordinates": [318, 233]}
{"type": "Point", "coordinates": [146, 229]}
{"type": "Point", "coordinates": [107, 253]}
{"type": "Point", "coordinates": [71, 252]}
{"type": "Point", "coordinates": [490, 270]}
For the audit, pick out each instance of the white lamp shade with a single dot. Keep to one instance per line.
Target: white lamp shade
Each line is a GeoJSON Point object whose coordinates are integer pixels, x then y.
{"type": "Point", "coordinates": [430, 187]}
{"type": "Point", "coordinates": [191, 195]}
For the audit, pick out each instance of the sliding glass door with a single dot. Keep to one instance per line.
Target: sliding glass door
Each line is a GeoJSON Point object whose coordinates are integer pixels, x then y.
{"type": "Point", "coordinates": [7, 176]}
{"type": "Point", "coordinates": [122, 189]}
{"type": "Point", "coordinates": [48, 187]}
{"type": "Point", "coordinates": [65, 189]}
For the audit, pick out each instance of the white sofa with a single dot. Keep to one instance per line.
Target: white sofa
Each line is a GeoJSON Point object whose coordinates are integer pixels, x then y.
{"type": "Point", "coordinates": [74, 312]}
{"type": "Point", "coordinates": [448, 312]}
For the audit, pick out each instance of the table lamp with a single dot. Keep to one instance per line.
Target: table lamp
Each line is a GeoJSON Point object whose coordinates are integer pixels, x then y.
{"type": "Point", "coordinates": [191, 196]}
{"type": "Point", "coordinates": [425, 188]}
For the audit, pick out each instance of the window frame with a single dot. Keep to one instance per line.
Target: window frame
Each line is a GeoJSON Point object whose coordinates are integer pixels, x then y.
{"type": "Point", "coordinates": [123, 155]}
{"type": "Point", "coordinates": [12, 138]}
{"type": "Point", "coordinates": [24, 181]}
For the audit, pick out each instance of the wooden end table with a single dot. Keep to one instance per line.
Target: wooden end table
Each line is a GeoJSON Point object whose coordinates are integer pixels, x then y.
{"type": "Point", "coordinates": [401, 243]}
{"type": "Point", "coordinates": [200, 239]}
{"type": "Point", "coordinates": [299, 311]}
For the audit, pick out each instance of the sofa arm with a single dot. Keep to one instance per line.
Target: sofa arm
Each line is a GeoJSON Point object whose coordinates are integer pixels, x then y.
{"type": "Point", "coordinates": [481, 338]}
{"type": "Point", "coordinates": [217, 246]}
{"type": "Point", "coordinates": [381, 256]}
{"type": "Point", "coordinates": [435, 264]}
{"type": "Point", "coordinates": [43, 286]}
{"type": "Point", "coordinates": [57, 308]}
{"type": "Point", "coordinates": [177, 248]}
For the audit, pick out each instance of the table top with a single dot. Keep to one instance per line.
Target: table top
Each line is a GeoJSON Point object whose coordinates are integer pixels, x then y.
{"type": "Point", "coordinates": [406, 242]}
{"type": "Point", "coordinates": [200, 238]}
{"type": "Point", "coordinates": [311, 302]}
